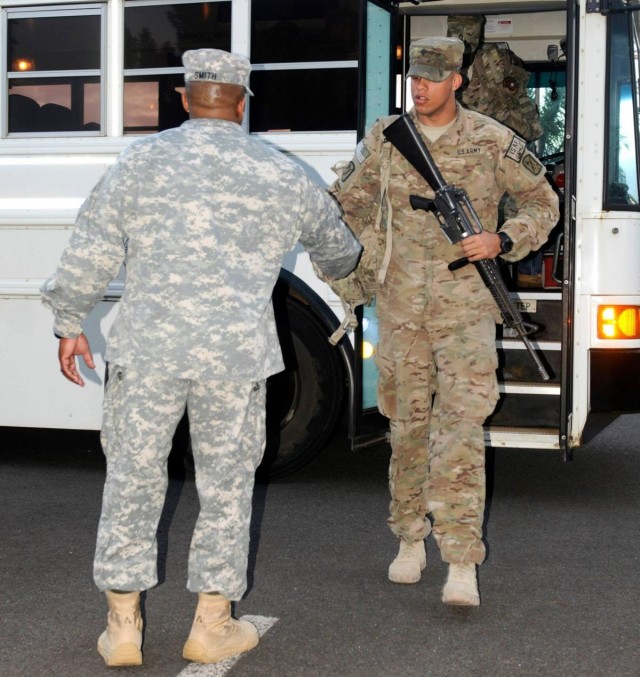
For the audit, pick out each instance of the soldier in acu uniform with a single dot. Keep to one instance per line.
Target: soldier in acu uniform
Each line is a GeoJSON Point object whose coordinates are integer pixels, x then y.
{"type": "Point", "coordinates": [204, 214]}
{"type": "Point", "coordinates": [437, 356]}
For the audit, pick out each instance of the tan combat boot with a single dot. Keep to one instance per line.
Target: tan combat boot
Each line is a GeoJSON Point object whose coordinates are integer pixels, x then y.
{"type": "Point", "coordinates": [409, 563]}
{"type": "Point", "coordinates": [461, 588]}
{"type": "Point", "coordinates": [121, 642]}
{"type": "Point", "coordinates": [214, 634]}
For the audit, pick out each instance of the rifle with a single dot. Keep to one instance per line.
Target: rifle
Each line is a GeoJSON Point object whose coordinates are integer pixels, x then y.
{"type": "Point", "coordinates": [458, 219]}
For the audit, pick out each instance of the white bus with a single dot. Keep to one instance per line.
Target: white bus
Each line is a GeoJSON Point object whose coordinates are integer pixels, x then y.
{"type": "Point", "coordinates": [80, 80]}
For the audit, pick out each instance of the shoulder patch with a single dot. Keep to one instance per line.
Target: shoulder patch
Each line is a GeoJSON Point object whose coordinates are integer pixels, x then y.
{"type": "Point", "coordinates": [531, 164]}
{"type": "Point", "coordinates": [516, 149]}
{"type": "Point", "coordinates": [347, 171]}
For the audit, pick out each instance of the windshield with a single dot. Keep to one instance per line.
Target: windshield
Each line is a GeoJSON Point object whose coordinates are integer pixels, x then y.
{"type": "Point", "coordinates": [621, 168]}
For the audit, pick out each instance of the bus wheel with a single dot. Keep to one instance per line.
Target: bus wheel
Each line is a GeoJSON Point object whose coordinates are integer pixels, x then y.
{"type": "Point", "coordinates": [304, 402]}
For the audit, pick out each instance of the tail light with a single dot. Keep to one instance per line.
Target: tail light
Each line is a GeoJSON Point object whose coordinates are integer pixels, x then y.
{"type": "Point", "coordinates": [619, 322]}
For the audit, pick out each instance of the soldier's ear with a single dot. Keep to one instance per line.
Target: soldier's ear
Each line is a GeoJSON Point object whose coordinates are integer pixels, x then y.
{"type": "Point", "coordinates": [185, 102]}
{"type": "Point", "coordinates": [240, 108]}
{"type": "Point", "coordinates": [457, 81]}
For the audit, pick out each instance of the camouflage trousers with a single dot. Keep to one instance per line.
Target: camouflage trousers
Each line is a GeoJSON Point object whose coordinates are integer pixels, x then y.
{"type": "Point", "coordinates": [227, 426]}
{"type": "Point", "coordinates": [437, 385]}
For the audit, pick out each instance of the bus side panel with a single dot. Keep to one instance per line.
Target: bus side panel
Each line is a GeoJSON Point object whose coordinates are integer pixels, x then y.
{"type": "Point", "coordinates": [614, 380]}
{"type": "Point", "coordinates": [33, 392]}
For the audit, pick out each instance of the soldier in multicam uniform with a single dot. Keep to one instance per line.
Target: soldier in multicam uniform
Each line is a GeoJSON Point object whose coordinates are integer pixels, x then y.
{"type": "Point", "coordinates": [205, 213]}
{"type": "Point", "coordinates": [437, 356]}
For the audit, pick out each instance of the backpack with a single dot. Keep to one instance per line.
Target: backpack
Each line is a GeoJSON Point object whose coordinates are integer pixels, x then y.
{"type": "Point", "coordinates": [498, 88]}
{"type": "Point", "coordinates": [372, 228]}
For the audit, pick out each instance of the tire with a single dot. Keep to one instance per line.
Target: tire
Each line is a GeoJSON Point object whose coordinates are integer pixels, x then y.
{"type": "Point", "coordinates": [304, 402]}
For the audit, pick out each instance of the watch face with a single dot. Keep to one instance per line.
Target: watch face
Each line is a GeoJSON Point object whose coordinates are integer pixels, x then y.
{"type": "Point", "coordinates": [506, 243]}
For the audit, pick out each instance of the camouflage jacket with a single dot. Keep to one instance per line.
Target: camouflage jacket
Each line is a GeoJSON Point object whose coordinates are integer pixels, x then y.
{"type": "Point", "coordinates": [476, 153]}
{"type": "Point", "coordinates": [205, 213]}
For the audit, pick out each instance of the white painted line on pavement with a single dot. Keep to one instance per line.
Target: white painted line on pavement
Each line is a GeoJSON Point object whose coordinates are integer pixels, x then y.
{"type": "Point", "coordinates": [262, 623]}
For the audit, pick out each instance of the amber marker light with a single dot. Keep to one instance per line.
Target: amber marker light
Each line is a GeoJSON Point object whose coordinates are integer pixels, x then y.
{"type": "Point", "coordinates": [619, 322]}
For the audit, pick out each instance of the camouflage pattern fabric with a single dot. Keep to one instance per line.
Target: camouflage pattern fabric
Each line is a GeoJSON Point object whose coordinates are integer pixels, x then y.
{"type": "Point", "coordinates": [217, 66]}
{"type": "Point", "coordinates": [227, 425]}
{"type": "Point", "coordinates": [497, 79]}
{"type": "Point", "coordinates": [206, 212]}
{"type": "Point", "coordinates": [498, 87]}
{"type": "Point", "coordinates": [435, 58]}
{"type": "Point", "coordinates": [368, 213]}
{"type": "Point", "coordinates": [486, 159]}
{"type": "Point", "coordinates": [437, 462]}
{"type": "Point", "coordinates": [467, 28]}
{"type": "Point", "coordinates": [437, 327]}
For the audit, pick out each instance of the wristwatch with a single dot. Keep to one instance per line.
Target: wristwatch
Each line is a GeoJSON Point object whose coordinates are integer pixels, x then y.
{"type": "Point", "coordinates": [506, 243]}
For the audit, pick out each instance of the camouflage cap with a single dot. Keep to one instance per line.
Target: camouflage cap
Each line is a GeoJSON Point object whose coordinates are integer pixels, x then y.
{"type": "Point", "coordinates": [435, 58]}
{"type": "Point", "coordinates": [216, 65]}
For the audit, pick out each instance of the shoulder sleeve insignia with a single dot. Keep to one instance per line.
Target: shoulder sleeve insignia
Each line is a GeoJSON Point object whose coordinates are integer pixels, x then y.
{"type": "Point", "coordinates": [531, 164]}
{"type": "Point", "coordinates": [516, 149]}
{"type": "Point", "coordinates": [347, 171]}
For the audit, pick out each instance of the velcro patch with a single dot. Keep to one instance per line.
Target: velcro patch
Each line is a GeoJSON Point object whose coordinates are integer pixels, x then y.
{"type": "Point", "coordinates": [531, 164]}
{"type": "Point", "coordinates": [347, 171]}
{"type": "Point", "coordinates": [516, 149]}
{"type": "Point", "coordinates": [362, 152]}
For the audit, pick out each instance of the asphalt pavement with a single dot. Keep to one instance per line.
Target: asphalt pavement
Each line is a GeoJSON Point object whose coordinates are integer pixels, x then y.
{"type": "Point", "coordinates": [560, 590]}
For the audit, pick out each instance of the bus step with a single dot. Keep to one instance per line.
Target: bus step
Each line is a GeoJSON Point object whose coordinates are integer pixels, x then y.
{"type": "Point", "coordinates": [529, 388]}
{"type": "Point", "coordinates": [522, 438]}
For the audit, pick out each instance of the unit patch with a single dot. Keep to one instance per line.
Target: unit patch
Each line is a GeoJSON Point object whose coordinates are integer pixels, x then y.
{"type": "Point", "coordinates": [516, 149]}
{"type": "Point", "coordinates": [347, 171]}
{"type": "Point", "coordinates": [531, 164]}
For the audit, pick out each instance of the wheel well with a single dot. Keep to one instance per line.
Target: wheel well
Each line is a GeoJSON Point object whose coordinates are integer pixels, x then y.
{"type": "Point", "coordinates": [290, 285]}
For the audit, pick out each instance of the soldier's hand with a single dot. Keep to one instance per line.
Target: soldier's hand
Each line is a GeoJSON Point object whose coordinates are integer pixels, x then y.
{"type": "Point", "coordinates": [67, 351]}
{"type": "Point", "coordinates": [484, 245]}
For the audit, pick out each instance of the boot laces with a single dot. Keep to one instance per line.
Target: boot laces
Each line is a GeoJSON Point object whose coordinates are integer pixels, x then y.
{"type": "Point", "coordinates": [463, 573]}
{"type": "Point", "coordinates": [409, 551]}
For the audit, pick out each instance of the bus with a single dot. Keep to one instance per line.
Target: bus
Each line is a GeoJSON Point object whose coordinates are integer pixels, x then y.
{"type": "Point", "coordinates": [80, 80]}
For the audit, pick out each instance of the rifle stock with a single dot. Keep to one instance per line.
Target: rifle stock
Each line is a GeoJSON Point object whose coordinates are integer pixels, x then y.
{"type": "Point", "coordinates": [458, 219]}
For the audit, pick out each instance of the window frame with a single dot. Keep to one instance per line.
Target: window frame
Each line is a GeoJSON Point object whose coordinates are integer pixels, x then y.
{"type": "Point", "coordinates": [607, 202]}
{"type": "Point", "coordinates": [53, 11]}
{"type": "Point", "coordinates": [291, 66]}
{"type": "Point", "coordinates": [164, 70]}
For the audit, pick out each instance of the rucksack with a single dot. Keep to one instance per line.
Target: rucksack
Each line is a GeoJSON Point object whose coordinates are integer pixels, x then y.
{"type": "Point", "coordinates": [498, 88]}
{"type": "Point", "coordinates": [371, 228]}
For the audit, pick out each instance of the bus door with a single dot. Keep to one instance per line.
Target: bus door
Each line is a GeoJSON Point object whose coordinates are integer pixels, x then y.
{"type": "Point", "coordinates": [531, 413]}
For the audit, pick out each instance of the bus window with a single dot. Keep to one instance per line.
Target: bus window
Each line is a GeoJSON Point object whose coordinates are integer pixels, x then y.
{"type": "Point", "coordinates": [548, 89]}
{"type": "Point", "coordinates": [54, 75]}
{"type": "Point", "coordinates": [621, 162]}
{"type": "Point", "coordinates": [305, 65]}
{"type": "Point", "coordinates": [155, 37]}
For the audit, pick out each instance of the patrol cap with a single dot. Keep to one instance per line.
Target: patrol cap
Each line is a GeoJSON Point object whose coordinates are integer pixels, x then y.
{"type": "Point", "coordinates": [435, 58]}
{"type": "Point", "coordinates": [216, 66]}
